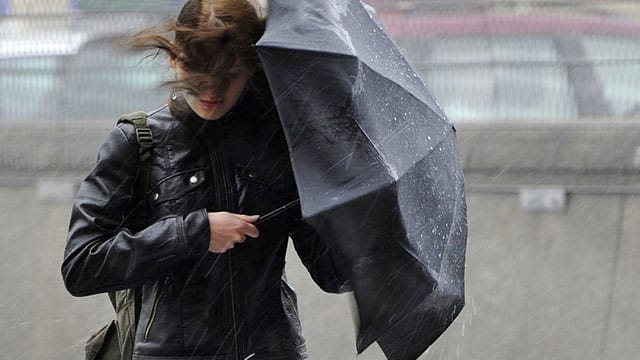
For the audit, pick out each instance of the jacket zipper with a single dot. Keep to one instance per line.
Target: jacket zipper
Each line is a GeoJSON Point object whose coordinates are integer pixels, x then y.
{"type": "Point", "coordinates": [234, 319]}
{"type": "Point", "coordinates": [226, 199]}
{"type": "Point", "coordinates": [154, 309]}
{"type": "Point", "coordinates": [233, 309]}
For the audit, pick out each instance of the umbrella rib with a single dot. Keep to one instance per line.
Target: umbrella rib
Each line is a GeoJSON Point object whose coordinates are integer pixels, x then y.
{"type": "Point", "coordinates": [394, 134]}
{"type": "Point", "coordinates": [289, 89]}
{"type": "Point", "coordinates": [437, 111]}
{"type": "Point", "coordinates": [378, 152]}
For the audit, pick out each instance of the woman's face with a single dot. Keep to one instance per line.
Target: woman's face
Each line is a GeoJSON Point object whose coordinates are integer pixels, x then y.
{"type": "Point", "coordinates": [211, 103]}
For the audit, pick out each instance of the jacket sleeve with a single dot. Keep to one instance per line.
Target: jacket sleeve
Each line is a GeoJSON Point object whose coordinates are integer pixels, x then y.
{"type": "Point", "coordinates": [321, 261]}
{"type": "Point", "coordinates": [101, 253]}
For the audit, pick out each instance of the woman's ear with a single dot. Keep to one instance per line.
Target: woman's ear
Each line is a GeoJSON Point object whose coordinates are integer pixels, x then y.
{"type": "Point", "coordinates": [172, 61]}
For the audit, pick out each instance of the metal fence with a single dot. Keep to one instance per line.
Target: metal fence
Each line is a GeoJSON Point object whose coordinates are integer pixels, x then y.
{"type": "Point", "coordinates": [487, 62]}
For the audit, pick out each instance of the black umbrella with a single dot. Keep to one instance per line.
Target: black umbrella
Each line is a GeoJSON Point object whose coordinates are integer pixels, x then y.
{"type": "Point", "coordinates": [376, 165]}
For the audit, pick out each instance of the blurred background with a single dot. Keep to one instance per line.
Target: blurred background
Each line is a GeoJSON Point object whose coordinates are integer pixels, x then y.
{"type": "Point", "coordinates": [546, 99]}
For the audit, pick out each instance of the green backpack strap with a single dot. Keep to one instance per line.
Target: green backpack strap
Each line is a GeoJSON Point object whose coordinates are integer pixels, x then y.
{"type": "Point", "coordinates": [127, 302]}
{"type": "Point", "coordinates": [143, 133]}
{"type": "Point", "coordinates": [144, 137]}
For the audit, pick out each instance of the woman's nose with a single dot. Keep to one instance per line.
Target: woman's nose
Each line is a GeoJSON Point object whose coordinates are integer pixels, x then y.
{"type": "Point", "coordinates": [212, 90]}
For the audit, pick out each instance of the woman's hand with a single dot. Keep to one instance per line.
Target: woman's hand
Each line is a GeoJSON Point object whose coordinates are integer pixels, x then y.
{"type": "Point", "coordinates": [228, 229]}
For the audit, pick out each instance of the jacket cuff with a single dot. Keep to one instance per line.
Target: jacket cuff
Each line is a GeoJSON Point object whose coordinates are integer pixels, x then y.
{"type": "Point", "coordinates": [194, 234]}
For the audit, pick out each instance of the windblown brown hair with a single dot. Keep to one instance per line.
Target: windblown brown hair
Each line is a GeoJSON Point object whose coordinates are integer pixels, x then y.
{"type": "Point", "coordinates": [206, 39]}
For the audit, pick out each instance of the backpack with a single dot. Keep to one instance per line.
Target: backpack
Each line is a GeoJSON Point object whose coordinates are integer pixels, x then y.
{"type": "Point", "coordinates": [115, 340]}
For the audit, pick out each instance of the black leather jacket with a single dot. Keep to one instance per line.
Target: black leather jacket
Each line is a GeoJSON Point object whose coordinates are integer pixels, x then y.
{"type": "Point", "coordinates": [197, 304]}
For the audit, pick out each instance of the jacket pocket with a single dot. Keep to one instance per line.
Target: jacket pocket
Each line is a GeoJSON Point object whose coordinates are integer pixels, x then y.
{"type": "Point", "coordinates": [154, 308]}
{"type": "Point", "coordinates": [262, 189]}
{"type": "Point", "coordinates": [179, 194]}
{"type": "Point", "coordinates": [278, 178]}
{"type": "Point", "coordinates": [176, 186]}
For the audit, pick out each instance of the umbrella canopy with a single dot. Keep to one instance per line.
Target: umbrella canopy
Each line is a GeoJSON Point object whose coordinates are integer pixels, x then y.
{"type": "Point", "coordinates": [376, 165]}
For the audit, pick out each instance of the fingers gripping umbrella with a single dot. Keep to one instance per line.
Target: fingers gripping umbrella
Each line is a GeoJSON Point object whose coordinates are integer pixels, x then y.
{"type": "Point", "coordinates": [376, 165]}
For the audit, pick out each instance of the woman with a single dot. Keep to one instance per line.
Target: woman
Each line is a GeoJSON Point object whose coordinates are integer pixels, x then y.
{"type": "Point", "coordinates": [219, 159]}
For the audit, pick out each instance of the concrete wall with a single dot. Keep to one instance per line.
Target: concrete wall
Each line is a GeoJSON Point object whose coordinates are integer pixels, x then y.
{"type": "Point", "coordinates": [539, 285]}
{"type": "Point", "coordinates": [598, 146]}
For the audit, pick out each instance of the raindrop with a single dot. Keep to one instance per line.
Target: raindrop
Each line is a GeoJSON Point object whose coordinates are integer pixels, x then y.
{"type": "Point", "coordinates": [463, 327]}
